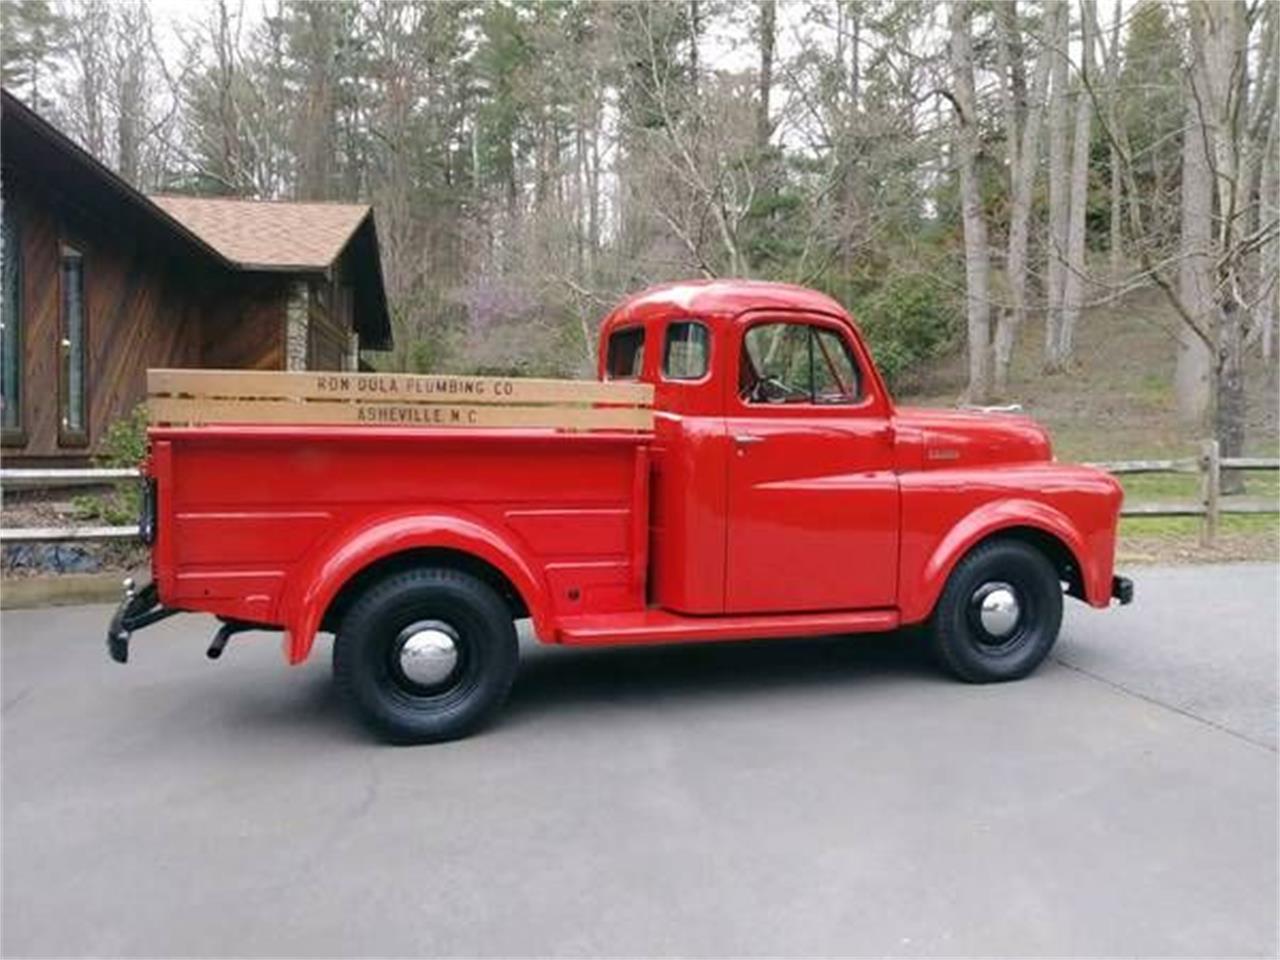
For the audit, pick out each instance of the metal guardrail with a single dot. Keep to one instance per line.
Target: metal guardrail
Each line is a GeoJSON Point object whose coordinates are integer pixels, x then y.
{"type": "Point", "coordinates": [22, 478]}
{"type": "Point", "coordinates": [67, 476]}
{"type": "Point", "coordinates": [1211, 507]}
{"type": "Point", "coordinates": [55, 534]}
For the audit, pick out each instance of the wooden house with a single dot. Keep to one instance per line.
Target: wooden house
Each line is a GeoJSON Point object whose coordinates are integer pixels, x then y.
{"type": "Point", "coordinates": [101, 282]}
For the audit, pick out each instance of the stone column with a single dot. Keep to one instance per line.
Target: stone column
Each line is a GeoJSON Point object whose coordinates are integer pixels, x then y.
{"type": "Point", "coordinates": [297, 324]}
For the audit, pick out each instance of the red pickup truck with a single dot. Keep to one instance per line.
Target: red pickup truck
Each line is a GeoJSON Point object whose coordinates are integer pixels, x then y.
{"type": "Point", "coordinates": [774, 490]}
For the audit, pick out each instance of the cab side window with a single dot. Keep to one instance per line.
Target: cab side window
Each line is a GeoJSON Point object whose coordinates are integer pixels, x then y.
{"type": "Point", "coordinates": [797, 363]}
{"type": "Point", "coordinates": [625, 357]}
{"type": "Point", "coordinates": [835, 374]}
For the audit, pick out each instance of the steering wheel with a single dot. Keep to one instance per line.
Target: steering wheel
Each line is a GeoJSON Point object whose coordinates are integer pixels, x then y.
{"type": "Point", "coordinates": [773, 390]}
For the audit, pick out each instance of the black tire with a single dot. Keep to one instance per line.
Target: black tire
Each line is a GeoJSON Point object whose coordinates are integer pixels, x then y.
{"type": "Point", "coordinates": [367, 662]}
{"type": "Point", "coordinates": [958, 637]}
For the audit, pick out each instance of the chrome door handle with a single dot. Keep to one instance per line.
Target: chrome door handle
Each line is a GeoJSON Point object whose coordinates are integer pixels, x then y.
{"type": "Point", "coordinates": [746, 439]}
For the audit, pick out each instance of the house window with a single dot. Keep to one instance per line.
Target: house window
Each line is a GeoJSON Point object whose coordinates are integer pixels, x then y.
{"type": "Point", "coordinates": [11, 333]}
{"type": "Point", "coordinates": [625, 358]}
{"type": "Point", "coordinates": [72, 427]}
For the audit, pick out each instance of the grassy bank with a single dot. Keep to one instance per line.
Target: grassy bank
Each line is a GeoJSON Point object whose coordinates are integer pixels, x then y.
{"type": "Point", "coordinates": [1117, 403]}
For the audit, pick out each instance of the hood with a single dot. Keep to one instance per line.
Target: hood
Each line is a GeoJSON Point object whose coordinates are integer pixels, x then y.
{"type": "Point", "coordinates": [938, 438]}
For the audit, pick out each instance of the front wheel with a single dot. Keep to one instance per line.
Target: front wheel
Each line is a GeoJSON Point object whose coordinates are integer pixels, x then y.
{"type": "Point", "coordinates": [426, 654]}
{"type": "Point", "coordinates": [999, 614]}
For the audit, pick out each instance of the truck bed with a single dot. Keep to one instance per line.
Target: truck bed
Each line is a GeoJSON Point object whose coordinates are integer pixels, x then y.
{"type": "Point", "coordinates": [245, 513]}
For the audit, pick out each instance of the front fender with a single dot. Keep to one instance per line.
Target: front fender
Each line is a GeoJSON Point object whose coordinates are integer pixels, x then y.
{"type": "Point", "coordinates": [304, 606]}
{"type": "Point", "coordinates": [918, 598]}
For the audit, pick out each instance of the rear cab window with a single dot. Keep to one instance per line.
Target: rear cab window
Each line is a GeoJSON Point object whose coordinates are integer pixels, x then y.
{"type": "Point", "coordinates": [625, 357]}
{"type": "Point", "coordinates": [686, 352]}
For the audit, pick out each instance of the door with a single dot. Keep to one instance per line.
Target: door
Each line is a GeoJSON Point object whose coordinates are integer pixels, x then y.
{"type": "Point", "coordinates": [813, 496]}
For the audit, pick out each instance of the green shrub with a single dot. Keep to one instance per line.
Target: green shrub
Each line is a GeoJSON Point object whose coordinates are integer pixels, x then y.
{"type": "Point", "coordinates": [124, 445]}
{"type": "Point", "coordinates": [126, 441]}
{"type": "Point", "coordinates": [909, 320]}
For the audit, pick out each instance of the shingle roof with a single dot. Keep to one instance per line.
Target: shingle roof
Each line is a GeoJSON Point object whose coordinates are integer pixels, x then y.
{"type": "Point", "coordinates": [236, 235]}
{"type": "Point", "coordinates": [266, 235]}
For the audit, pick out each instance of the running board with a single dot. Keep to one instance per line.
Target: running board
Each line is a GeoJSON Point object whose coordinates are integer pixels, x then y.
{"type": "Point", "coordinates": [662, 626]}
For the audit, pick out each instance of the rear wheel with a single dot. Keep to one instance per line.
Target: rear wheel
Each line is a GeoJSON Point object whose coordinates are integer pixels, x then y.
{"type": "Point", "coordinates": [999, 614]}
{"type": "Point", "coordinates": [425, 655]}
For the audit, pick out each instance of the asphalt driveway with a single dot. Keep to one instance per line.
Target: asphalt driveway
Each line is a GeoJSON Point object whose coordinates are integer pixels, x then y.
{"type": "Point", "coordinates": [799, 797]}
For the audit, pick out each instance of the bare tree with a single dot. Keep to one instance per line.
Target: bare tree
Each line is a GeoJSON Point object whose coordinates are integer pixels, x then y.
{"type": "Point", "coordinates": [977, 258]}
{"type": "Point", "coordinates": [765, 31]}
{"type": "Point", "coordinates": [1195, 266]}
{"type": "Point", "coordinates": [87, 37]}
{"type": "Point", "coordinates": [1024, 158]}
{"type": "Point", "coordinates": [1058, 351]}
{"type": "Point", "coordinates": [1059, 188]}
{"type": "Point", "coordinates": [1213, 298]}
{"type": "Point", "coordinates": [1269, 193]}
{"type": "Point", "coordinates": [129, 56]}
{"type": "Point", "coordinates": [1115, 234]}
{"type": "Point", "coordinates": [316, 122]}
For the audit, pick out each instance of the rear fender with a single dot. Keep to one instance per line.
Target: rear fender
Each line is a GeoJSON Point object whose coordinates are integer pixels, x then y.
{"type": "Point", "coordinates": [918, 599]}
{"type": "Point", "coordinates": [318, 584]}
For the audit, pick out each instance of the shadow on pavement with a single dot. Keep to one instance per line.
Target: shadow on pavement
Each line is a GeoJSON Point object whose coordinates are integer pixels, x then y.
{"type": "Point", "coordinates": [553, 677]}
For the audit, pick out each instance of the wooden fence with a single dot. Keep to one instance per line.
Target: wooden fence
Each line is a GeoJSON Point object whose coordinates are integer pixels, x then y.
{"type": "Point", "coordinates": [1209, 465]}
{"type": "Point", "coordinates": [1211, 506]}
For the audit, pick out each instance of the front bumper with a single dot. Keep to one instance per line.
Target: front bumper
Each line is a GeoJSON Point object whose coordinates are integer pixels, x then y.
{"type": "Point", "coordinates": [1122, 589]}
{"type": "Point", "coordinates": [137, 610]}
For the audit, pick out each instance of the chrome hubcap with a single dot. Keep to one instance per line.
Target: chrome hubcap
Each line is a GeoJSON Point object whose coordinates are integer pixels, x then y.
{"type": "Point", "coordinates": [428, 652]}
{"type": "Point", "coordinates": [998, 609]}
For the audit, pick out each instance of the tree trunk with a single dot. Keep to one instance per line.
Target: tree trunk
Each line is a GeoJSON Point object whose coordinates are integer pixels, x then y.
{"type": "Point", "coordinates": [1115, 242]}
{"type": "Point", "coordinates": [91, 21]}
{"type": "Point", "coordinates": [1261, 146]}
{"type": "Point", "coordinates": [1059, 198]}
{"type": "Point", "coordinates": [1013, 85]}
{"type": "Point", "coordinates": [593, 187]}
{"type": "Point", "coordinates": [977, 263]}
{"type": "Point", "coordinates": [695, 31]}
{"type": "Point", "coordinates": [228, 128]}
{"type": "Point", "coordinates": [764, 126]}
{"type": "Point", "coordinates": [1023, 162]}
{"type": "Point", "coordinates": [855, 59]}
{"type": "Point", "coordinates": [1195, 265]}
{"type": "Point", "coordinates": [1230, 406]}
{"type": "Point", "coordinates": [315, 173]}
{"type": "Point", "coordinates": [1115, 235]}
{"type": "Point", "coordinates": [1268, 281]}
{"type": "Point", "coordinates": [1226, 74]}
{"type": "Point", "coordinates": [1073, 285]}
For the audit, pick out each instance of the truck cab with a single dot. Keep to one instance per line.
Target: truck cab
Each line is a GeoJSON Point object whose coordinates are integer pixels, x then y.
{"type": "Point", "coordinates": [778, 450]}
{"type": "Point", "coordinates": [776, 490]}
{"type": "Point", "coordinates": [774, 450]}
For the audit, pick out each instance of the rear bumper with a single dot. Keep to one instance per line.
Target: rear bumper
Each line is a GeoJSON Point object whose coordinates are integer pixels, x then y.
{"type": "Point", "coordinates": [1122, 589]}
{"type": "Point", "coordinates": [136, 610]}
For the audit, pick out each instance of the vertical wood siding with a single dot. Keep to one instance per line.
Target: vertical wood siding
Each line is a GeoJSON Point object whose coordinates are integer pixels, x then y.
{"type": "Point", "coordinates": [329, 340]}
{"type": "Point", "coordinates": [244, 326]}
{"type": "Point", "coordinates": [144, 308]}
